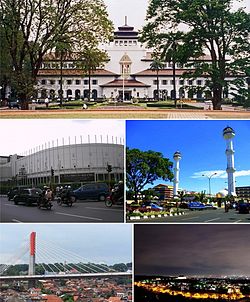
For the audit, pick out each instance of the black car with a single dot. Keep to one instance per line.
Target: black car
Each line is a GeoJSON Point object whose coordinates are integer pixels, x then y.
{"type": "Point", "coordinates": [97, 191]}
{"type": "Point", "coordinates": [12, 192]}
{"type": "Point", "coordinates": [14, 104]}
{"type": "Point", "coordinates": [28, 196]}
{"type": "Point", "coordinates": [244, 208]}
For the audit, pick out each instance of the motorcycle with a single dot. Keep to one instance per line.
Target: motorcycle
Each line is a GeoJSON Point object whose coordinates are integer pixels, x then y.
{"type": "Point", "coordinates": [65, 198]}
{"type": "Point", "coordinates": [116, 197]}
{"type": "Point", "coordinates": [44, 203]}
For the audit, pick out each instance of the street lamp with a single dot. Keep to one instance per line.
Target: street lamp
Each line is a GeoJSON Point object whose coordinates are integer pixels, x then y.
{"type": "Point", "coordinates": [209, 181]}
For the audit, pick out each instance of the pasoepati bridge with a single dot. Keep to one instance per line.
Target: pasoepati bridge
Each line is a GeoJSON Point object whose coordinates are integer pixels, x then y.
{"type": "Point", "coordinates": [54, 262]}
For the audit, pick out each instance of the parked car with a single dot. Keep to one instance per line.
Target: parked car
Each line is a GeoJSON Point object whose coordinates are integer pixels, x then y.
{"type": "Point", "coordinates": [14, 104]}
{"type": "Point", "coordinates": [196, 205]}
{"type": "Point", "coordinates": [152, 206]}
{"type": "Point", "coordinates": [244, 208]}
{"type": "Point", "coordinates": [28, 196]}
{"type": "Point", "coordinates": [96, 191]}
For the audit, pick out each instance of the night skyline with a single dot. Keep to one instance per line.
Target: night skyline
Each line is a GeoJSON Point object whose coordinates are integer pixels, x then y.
{"type": "Point", "coordinates": [192, 250]}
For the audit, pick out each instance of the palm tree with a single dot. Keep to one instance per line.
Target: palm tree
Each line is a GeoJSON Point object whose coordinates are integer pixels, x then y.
{"type": "Point", "coordinates": [157, 64]}
{"type": "Point", "coordinates": [169, 54]}
{"type": "Point", "coordinates": [62, 49]}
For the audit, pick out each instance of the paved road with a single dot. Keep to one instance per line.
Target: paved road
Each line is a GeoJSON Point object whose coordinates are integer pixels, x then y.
{"type": "Point", "coordinates": [84, 211]}
{"type": "Point", "coordinates": [204, 216]}
{"type": "Point", "coordinates": [124, 113]}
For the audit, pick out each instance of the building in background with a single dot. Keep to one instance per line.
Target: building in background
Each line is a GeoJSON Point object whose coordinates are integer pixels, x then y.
{"type": "Point", "coordinates": [164, 191]}
{"type": "Point", "coordinates": [126, 75]}
{"type": "Point", "coordinates": [243, 192]}
{"type": "Point", "coordinates": [79, 162]}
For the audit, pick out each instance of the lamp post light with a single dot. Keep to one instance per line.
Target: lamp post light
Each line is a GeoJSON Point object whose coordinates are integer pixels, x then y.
{"type": "Point", "coordinates": [209, 181]}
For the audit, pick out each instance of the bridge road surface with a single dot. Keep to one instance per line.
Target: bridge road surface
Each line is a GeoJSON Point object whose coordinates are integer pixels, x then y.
{"type": "Point", "coordinates": [204, 216]}
{"type": "Point", "coordinates": [82, 211]}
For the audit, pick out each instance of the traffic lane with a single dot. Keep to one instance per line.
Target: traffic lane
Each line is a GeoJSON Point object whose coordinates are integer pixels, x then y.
{"type": "Point", "coordinates": [88, 211]}
{"type": "Point", "coordinates": [204, 216]}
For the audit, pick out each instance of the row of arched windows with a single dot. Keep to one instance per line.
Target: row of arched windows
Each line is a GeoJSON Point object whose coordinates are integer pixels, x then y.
{"type": "Point", "coordinates": [69, 93]}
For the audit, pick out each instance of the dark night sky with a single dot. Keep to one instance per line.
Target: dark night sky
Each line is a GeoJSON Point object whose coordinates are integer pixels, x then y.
{"type": "Point", "coordinates": [192, 250]}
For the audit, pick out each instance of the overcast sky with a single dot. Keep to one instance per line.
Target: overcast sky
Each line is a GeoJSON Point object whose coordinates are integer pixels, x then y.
{"type": "Point", "coordinates": [136, 10]}
{"type": "Point", "coordinates": [217, 250]}
{"type": "Point", "coordinates": [20, 135]}
{"type": "Point", "coordinates": [96, 242]}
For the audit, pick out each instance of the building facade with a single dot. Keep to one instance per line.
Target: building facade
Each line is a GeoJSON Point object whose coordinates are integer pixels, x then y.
{"type": "Point", "coordinates": [126, 75]}
{"type": "Point", "coordinates": [243, 192]}
{"type": "Point", "coordinates": [68, 163]}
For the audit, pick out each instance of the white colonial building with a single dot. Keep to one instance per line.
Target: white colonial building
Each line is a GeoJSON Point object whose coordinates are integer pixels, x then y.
{"type": "Point", "coordinates": [126, 75]}
{"type": "Point", "coordinates": [79, 162]}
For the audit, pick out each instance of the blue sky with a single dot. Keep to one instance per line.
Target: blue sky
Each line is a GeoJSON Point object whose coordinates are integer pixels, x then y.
{"type": "Point", "coordinates": [202, 147]}
{"type": "Point", "coordinates": [96, 242]}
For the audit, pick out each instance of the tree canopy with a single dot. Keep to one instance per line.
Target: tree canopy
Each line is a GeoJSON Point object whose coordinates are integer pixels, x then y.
{"type": "Point", "coordinates": [33, 28]}
{"type": "Point", "coordinates": [144, 167]}
{"type": "Point", "coordinates": [204, 27]}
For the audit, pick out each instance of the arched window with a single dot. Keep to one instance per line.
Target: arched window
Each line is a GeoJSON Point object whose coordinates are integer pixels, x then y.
{"type": "Point", "coordinates": [155, 94]}
{"type": "Point", "coordinates": [94, 94]}
{"type": "Point", "coordinates": [190, 94]}
{"type": "Point", "coordinates": [77, 94]}
{"type": "Point", "coordinates": [69, 93]}
{"type": "Point", "coordinates": [43, 93]}
{"type": "Point", "coordinates": [181, 93]}
{"type": "Point", "coordinates": [86, 93]}
{"type": "Point", "coordinates": [60, 93]}
{"type": "Point", "coordinates": [199, 94]}
{"type": "Point", "coordinates": [52, 93]}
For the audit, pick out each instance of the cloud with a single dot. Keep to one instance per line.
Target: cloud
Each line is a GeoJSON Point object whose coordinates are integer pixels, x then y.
{"type": "Point", "coordinates": [219, 174]}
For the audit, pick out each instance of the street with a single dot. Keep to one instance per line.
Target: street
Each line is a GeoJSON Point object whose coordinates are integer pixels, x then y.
{"type": "Point", "coordinates": [81, 211]}
{"type": "Point", "coordinates": [204, 216]}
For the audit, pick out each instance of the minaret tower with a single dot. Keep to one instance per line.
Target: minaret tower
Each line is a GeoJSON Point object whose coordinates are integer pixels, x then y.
{"type": "Point", "coordinates": [177, 158]}
{"type": "Point", "coordinates": [32, 254]}
{"type": "Point", "coordinates": [228, 134]}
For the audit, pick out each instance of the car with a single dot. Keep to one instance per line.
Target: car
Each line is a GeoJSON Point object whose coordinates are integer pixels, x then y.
{"type": "Point", "coordinates": [28, 196]}
{"type": "Point", "coordinates": [96, 191]}
{"type": "Point", "coordinates": [152, 206]}
{"type": "Point", "coordinates": [14, 104]}
{"type": "Point", "coordinates": [244, 208]}
{"type": "Point", "coordinates": [12, 192]}
{"type": "Point", "coordinates": [196, 205]}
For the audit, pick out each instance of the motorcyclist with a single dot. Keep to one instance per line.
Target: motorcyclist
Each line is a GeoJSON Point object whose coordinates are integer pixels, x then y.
{"type": "Point", "coordinates": [118, 192]}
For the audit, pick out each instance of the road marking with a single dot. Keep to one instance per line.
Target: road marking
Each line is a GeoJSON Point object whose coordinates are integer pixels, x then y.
{"type": "Point", "coordinates": [212, 219]}
{"type": "Point", "coordinates": [11, 205]}
{"type": "Point", "coordinates": [189, 218]}
{"type": "Point", "coordinates": [15, 220]}
{"type": "Point", "coordinates": [78, 216]}
{"type": "Point", "coordinates": [114, 210]}
{"type": "Point", "coordinates": [237, 221]}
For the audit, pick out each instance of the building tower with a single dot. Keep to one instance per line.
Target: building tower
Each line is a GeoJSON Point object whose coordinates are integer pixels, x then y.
{"type": "Point", "coordinates": [228, 134]}
{"type": "Point", "coordinates": [177, 158]}
{"type": "Point", "coordinates": [32, 254]}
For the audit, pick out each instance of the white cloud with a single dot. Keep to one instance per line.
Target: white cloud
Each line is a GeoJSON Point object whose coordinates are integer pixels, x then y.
{"type": "Point", "coordinates": [219, 174]}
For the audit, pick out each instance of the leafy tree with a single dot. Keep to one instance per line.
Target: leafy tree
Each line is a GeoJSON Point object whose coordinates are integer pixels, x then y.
{"type": "Point", "coordinates": [90, 59]}
{"type": "Point", "coordinates": [32, 28]}
{"type": "Point", "coordinates": [144, 167]}
{"type": "Point", "coordinates": [211, 27]}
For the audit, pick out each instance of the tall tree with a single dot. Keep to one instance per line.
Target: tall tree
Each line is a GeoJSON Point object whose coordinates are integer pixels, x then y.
{"type": "Point", "coordinates": [90, 58]}
{"type": "Point", "coordinates": [211, 27]}
{"type": "Point", "coordinates": [157, 64]}
{"type": "Point", "coordinates": [33, 28]}
{"type": "Point", "coordinates": [144, 167]}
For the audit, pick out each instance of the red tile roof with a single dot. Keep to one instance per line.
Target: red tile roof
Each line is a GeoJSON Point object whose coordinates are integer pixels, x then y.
{"type": "Point", "coordinates": [74, 72]}
{"type": "Point", "coordinates": [163, 72]}
{"type": "Point", "coordinates": [127, 83]}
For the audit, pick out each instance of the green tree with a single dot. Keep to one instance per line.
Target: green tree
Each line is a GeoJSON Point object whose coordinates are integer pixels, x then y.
{"type": "Point", "coordinates": [90, 59]}
{"type": "Point", "coordinates": [144, 167]}
{"type": "Point", "coordinates": [211, 27]}
{"type": "Point", "coordinates": [33, 28]}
